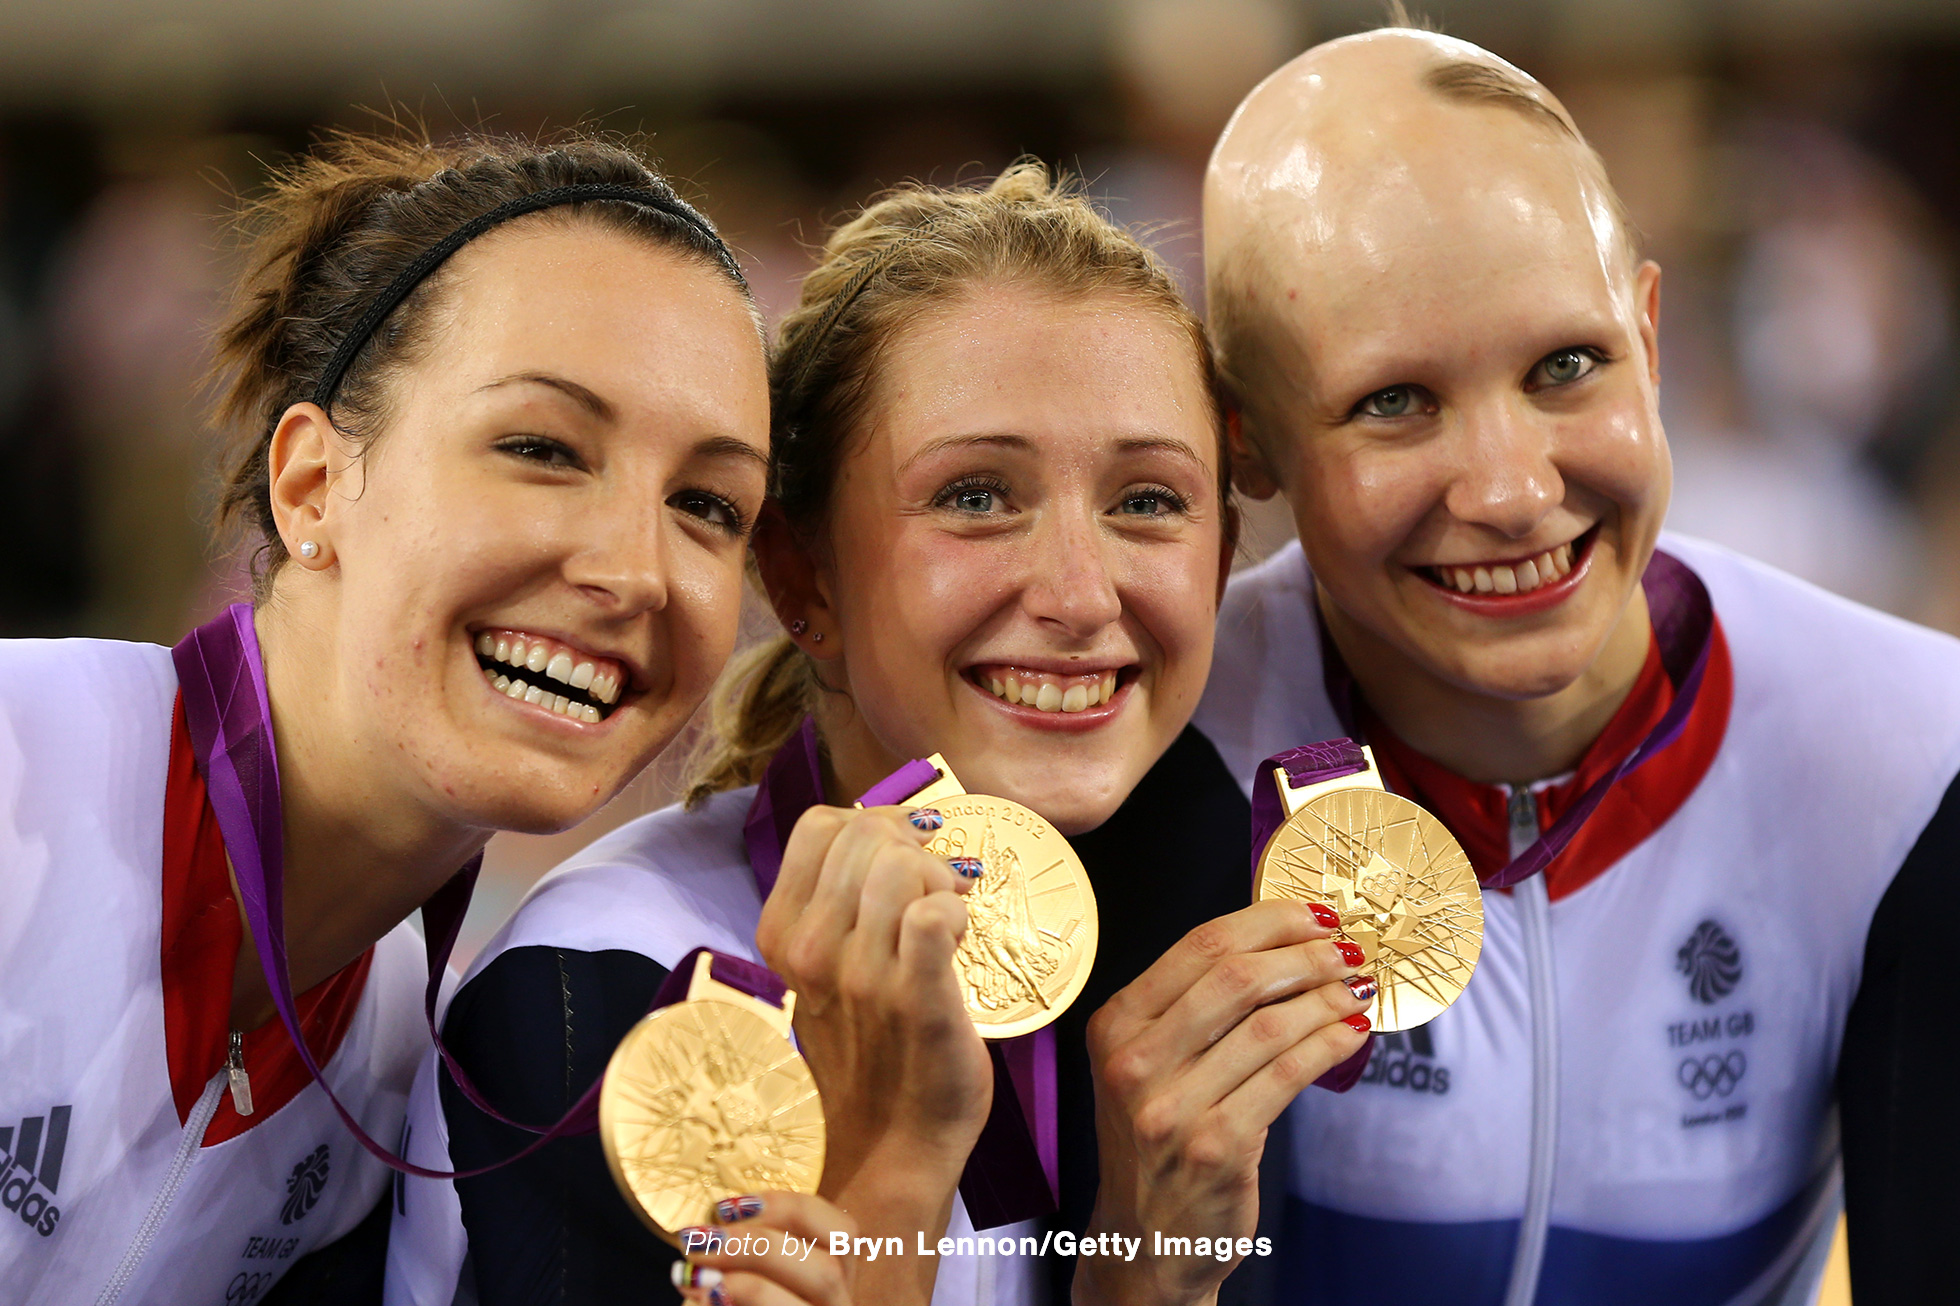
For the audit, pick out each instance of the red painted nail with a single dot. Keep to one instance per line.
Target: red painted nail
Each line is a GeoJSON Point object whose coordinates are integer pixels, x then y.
{"type": "Point", "coordinates": [1349, 953]}
{"type": "Point", "coordinates": [1359, 1024]}
{"type": "Point", "coordinates": [1327, 916]}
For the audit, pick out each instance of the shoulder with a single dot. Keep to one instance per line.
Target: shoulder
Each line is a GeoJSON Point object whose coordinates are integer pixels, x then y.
{"type": "Point", "coordinates": [1853, 692]}
{"type": "Point", "coordinates": [1266, 692]}
{"type": "Point", "coordinates": [79, 693]}
{"type": "Point", "coordinates": [664, 884]}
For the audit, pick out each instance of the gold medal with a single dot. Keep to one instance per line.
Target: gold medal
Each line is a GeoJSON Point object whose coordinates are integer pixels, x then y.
{"type": "Point", "coordinates": [1031, 926]}
{"type": "Point", "coordinates": [1405, 891]}
{"type": "Point", "coordinates": [706, 1099]}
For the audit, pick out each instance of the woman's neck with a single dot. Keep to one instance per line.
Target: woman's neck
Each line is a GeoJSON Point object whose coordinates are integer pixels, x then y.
{"type": "Point", "coordinates": [1484, 738]}
{"type": "Point", "coordinates": [853, 760]}
{"type": "Point", "coordinates": [360, 854]}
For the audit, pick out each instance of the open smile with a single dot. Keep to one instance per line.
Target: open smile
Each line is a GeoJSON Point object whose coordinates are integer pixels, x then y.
{"type": "Point", "coordinates": [1085, 696]}
{"type": "Point", "coordinates": [550, 674]}
{"type": "Point", "coordinates": [1515, 584]}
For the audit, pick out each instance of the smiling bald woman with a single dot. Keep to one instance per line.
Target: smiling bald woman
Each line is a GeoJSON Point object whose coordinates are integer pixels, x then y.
{"type": "Point", "coordinates": [1445, 354]}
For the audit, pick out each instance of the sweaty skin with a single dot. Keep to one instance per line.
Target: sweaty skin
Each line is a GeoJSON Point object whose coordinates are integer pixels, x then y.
{"type": "Point", "coordinates": [1446, 357]}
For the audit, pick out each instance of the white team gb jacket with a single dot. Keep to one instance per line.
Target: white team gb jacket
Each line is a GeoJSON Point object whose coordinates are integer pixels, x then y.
{"type": "Point", "coordinates": [105, 1196]}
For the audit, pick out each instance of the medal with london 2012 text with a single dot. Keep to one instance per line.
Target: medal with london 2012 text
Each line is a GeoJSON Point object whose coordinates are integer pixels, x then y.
{"type": "Point", "coordinates": [708, 1098]}
{"type": "Point", "coordinates": [1406, 893]}
{"type": "Point", "coordinates": [1031, 926]}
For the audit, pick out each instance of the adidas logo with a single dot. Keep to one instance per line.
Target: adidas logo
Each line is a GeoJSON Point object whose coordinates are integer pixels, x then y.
{"type": "Point", "coordinates": [1406, 1061]}
{"type": "Point", "coordinates": [30, 1160]}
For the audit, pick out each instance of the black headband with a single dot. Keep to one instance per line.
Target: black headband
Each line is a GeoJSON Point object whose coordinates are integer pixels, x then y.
{"type": "Point", "coordinates": [669, 205]}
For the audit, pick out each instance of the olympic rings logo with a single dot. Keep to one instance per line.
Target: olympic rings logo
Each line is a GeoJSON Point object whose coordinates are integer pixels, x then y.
{"type": "Point", "coordinates": [1713, 1075]}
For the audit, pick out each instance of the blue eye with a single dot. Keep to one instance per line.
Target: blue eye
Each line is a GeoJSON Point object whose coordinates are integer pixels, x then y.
{"type": "Point", "coordinates": [977, 495]}
{"type": "Point", "coordinates": [1397, 401]}
{"type": "Point", "coordinates": [1563, 368]}
{"type": "Point", "coordinates": [1154, 502]}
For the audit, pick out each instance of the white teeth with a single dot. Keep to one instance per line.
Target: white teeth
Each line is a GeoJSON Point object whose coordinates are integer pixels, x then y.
{"type": "Point", "coordinates": [560, 703]}
{"type": "Point", "coordinates": [517, 647]}
{"type": "Point", "coordinates": [604, 687]}
{"type": "Point", "coordinates": [582, 676]}
{"type": "Point", "coordinates": [514, 688]}
{"type": "Point", "coordinates": [1012, 693]}
{"type": "Point", "coordinates": [1000, 690]}
{"type": "Point", "coordinates": [489, 675]}
{"type": "Point", "coordinates": [1046, 699]}
{"type": "Point", "coordinates": [1076, 698]}
{"type": "Point", "coordinates": [536, 657]}
{"type": "Point", "coordinates": [1484, 583]}
{"type": "Point", "coordinates": [502, 653]}
{"type": "Point", "coordinates": [486, 643]}
{"type": "Point", "coordinates": [534, 695]}
{"type": "Point", "coordinates": [1108, 687]}
{"type": "Point", "coordinates": [590, 713]}
{"type": "Point", "coordinates": [1462, 579]}
{"type": "Point", "coordinates": [1505, 579]}
{"type": "Point", "coordinates": [1527, 576]}
{"type": "Point", "coordinates": [560, 667]}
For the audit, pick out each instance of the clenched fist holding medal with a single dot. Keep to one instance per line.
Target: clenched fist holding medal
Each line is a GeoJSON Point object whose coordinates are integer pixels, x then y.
{"type": "Point", "coordinates": [906, 934]}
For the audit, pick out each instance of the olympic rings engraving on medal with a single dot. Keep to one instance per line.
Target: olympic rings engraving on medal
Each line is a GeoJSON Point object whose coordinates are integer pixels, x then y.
{"type": "Point", "coordinates": [1405, 891]}
{"type": "Point", "coordinates": [1714, 1075]}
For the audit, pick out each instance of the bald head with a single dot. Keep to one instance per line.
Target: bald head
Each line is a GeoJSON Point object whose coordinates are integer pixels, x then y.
{"type": "Point", "coordinates": [1367, 151]}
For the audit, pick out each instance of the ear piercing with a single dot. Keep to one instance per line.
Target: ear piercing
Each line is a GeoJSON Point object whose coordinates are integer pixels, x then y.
{"type": "Point", "coordinates": [308, 549]}
{"type": "Point", "coordinates": [798, 626]}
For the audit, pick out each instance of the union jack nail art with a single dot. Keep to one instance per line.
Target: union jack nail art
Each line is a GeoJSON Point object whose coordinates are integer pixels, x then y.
{"type": "Point", "coordinates": [970, 867]}
{"type": "Point", "coordinates": [700, 1240]}
{"type": "Point", "coordinates": [928, 818]}
{"type": "Point", "coordinates": [731, 1209]}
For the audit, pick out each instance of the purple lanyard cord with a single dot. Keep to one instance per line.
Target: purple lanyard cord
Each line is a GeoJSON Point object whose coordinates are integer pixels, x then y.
{"type": "Point", "coordinates": [229, 714]}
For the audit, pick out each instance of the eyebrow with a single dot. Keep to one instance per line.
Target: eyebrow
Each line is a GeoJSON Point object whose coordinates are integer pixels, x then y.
{"type": "Point", "coordinates": [727, 446]}
{"type": "Point", "coordinates": [1022, 444]}
{"type": "Point", "coordinates": [572, 390]}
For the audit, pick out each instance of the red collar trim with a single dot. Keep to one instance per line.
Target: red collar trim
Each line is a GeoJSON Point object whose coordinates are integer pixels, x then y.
{"type": "Point", "coordinates": [1642, 802]}
{"type": "Point", "coordinates": [201, 937]}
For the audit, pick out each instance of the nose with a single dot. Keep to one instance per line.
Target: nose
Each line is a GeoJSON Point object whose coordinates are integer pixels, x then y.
{"type": "Point", "coordinates": [1069, 583]}
{"type": "Point", "coordinates": [621, 558]}
{"type": "Point", "coordinates": [1505, 478]}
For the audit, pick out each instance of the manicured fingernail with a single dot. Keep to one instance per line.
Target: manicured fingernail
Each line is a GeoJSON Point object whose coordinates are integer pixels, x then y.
{"type": "Point", "coordinates": [1359, 1024]}
{"type": "Point", "coordinates": [1361, 986]}
{"type": "Point", "coordinates": [731, 1209]}
{"type": "Point", "coordinates": [1349, 953]}
{"type": "Point", "coordinates": [718, 1296]}
{"type": "Point", "coordinates": [1327, 916]}
{"type": "Point", "coordinates": [970, 867]}
{"type": "Point", "coordinates": [689, 1275]}
{"type": "Point", "coordinates": [701, 1240]}
{"type": "Point", "coordinates": [927, 818]}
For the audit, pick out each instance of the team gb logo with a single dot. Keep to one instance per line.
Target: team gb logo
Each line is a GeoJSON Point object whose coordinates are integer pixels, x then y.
{"type": "Point", "coordinates": [1711, 961]}
{"type": "Point", "coordinates": [303, 1188]}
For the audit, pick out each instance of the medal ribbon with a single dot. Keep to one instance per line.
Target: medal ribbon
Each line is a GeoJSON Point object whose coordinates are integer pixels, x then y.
{"type": "Point", "coordinates": [1013, 1172]}
{"type": "Point", "coordinates": [229, 713]}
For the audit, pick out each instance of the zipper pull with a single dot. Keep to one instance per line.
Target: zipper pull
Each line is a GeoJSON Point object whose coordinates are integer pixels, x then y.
{"type": "Point", "coordinates": [1523, 812]}
{"type": "Point", "coordinates": [241, 1083]}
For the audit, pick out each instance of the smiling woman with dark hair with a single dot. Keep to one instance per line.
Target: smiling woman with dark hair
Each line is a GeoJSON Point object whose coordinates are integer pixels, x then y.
{"type": "Point", "coordinates": [505, 435]}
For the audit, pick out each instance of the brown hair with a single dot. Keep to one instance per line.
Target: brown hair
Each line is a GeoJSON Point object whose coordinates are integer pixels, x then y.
{"type": "Point", "coordinates": [916, 248]}
{"type": "Point", "coordinates": [337, 227]}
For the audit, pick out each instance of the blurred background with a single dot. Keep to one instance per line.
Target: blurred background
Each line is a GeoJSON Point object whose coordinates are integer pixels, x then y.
{"type": "Point", "coordinates": [1794, 164]}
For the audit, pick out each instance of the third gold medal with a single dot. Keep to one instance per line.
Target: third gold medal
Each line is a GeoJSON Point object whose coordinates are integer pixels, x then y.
{"type": "Point", "coordinates": [1405, 891]}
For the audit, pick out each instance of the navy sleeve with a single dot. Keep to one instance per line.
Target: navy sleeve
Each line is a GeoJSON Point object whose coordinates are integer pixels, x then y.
{"type": "Point", "coordinates": [533, 1031]}
{"type": "Point", "coordinates": [1898, 1078]}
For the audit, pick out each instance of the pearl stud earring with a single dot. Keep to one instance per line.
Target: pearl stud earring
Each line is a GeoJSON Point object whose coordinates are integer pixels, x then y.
{"type": "Point", "coordinates": [308, 549]}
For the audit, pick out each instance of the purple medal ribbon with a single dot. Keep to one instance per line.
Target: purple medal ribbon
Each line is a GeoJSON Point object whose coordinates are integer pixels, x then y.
{"type": "Point", "coordinates": [1684, 626]}
{"type": "Point", "coordinates": [229, 715]}
{"type": "Point", "coordinates": [1013, 1172]}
